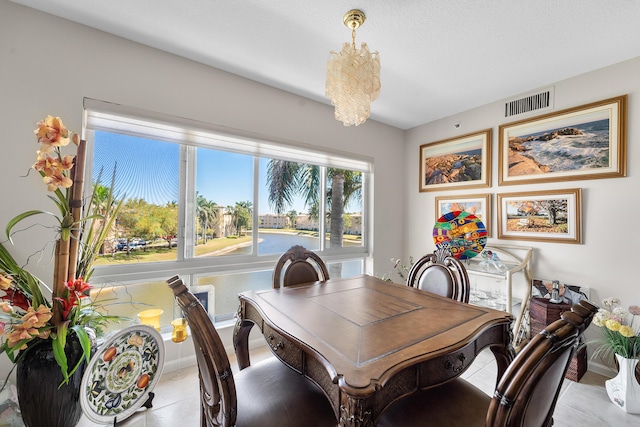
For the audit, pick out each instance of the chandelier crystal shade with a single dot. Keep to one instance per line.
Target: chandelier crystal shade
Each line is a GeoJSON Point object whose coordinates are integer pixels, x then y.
{"type": "Point", "coordinates": [353, 76]}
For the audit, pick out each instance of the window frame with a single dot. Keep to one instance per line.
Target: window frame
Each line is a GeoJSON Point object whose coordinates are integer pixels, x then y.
{"type": "Point", "coordinates": [114, 118]}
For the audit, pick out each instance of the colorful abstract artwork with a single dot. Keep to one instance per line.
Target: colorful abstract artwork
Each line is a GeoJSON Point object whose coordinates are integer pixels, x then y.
{"type": "Point", "coordinates": [464, 233]}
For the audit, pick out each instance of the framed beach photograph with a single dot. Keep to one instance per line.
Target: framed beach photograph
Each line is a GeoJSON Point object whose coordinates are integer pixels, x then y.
{"type": "Point", "coordinates": [542, 216]}
{"type": "Point", "coordinates": [476, 204]}
{"type": "Point", "coordinates": [585, 142]}
{"type": "Point", "coordinates": [460, 162]}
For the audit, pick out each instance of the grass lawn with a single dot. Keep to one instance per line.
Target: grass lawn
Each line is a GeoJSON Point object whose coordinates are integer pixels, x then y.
{"type": "Point", "coordinates": [160, 252]}
{"type": "Point", "coordinates": [163, 253]}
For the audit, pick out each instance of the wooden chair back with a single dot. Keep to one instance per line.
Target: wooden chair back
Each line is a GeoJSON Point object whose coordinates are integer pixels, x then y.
{"type": "Point", "coordinates": [217, 388]}
{"type": "Point", "coordinates": [528, 391]}
{"type": "Point", "coordinates": [299, 265]}
{"type": "Point", "coordinates": [442, 274]}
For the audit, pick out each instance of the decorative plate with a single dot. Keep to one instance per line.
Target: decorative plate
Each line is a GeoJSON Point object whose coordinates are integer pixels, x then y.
{"type": "Point", "coordinates": [121, 374]}
{"type": "Point", "coordinates": [465, 234]}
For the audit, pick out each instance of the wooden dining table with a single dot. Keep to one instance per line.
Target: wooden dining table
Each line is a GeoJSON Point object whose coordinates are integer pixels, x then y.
{"type": "Point", "coordinates": [367, 342]}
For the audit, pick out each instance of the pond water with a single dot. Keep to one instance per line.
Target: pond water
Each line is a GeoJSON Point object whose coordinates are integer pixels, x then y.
{"type": "Point", "coordinates": [226, 287]}
{"type": "Point", "coordinates": [277, 243]}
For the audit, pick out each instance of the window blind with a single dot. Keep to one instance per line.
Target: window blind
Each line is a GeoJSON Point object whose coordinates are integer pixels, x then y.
{"type": "Point", "coordinates": [105, 116]}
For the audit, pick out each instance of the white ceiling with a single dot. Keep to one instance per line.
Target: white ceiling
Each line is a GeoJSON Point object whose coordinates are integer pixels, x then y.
{"type": "Point", "coordinates": [438, 57]}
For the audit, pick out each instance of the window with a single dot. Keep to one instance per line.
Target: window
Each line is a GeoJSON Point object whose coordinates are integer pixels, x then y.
{"type": "Point", "coordinates": [288, 206]}
{"type": "Point", "coordinates": [217, 208]}
{"type": "Point", "coordinates": [344, 207]}
{"type": "Point", "coordinates": [145, 172]}
{"type": "Point", "coordinates": [223, 203]}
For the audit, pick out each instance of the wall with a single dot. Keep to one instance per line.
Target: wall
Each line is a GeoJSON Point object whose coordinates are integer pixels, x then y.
{"type": "Point", "coordinates": [605, 261]}
{"type": "Point", "coordinates": [48, 65]}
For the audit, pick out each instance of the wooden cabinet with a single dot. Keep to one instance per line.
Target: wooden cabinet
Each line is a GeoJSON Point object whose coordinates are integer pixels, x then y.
{"type": "Point", "coordinates": [504, 285]}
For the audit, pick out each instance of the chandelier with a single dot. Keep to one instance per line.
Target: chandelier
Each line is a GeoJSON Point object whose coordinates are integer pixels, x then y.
{"type": "Point", "coordinates": [353, 76]}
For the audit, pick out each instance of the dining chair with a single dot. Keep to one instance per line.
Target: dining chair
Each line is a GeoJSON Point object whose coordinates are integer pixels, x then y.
{"type": "Point", "coordinates": [441, 273]}
{"type": "Point", "coordinates": [526, 395]}
{"type": "Point", "coordinates": [266, 394]}
{"type": "Point", "coordinates": [299, 265]}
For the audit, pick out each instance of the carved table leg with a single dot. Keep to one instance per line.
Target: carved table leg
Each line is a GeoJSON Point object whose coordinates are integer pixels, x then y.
{"type": "Point", "coordinates": [241, 339]}
{"type": "Point", "coordinates": [355, 412]}
{"type": "Point", "coordinates": [504, 354]}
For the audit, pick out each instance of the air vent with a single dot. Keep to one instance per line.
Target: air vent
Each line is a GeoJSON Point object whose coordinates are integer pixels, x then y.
{"type": "Point", "coordinates": [538, 101]}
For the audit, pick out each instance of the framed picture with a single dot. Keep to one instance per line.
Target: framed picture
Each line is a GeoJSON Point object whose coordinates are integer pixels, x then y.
{"type": "Point", "coordinates": [584, 142]}
{"type": "Point", "coordinates": [476, 204]}
{"type": "Point", "coordinates": [542, 216]}
{"type": "Point", "coordinates": [461, 162]}
{"type": "Point", "coordinates": [206, 295]}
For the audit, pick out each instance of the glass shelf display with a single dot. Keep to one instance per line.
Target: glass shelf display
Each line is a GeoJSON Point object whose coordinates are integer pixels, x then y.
{"type": "Point", "coordinates": [492, 283]}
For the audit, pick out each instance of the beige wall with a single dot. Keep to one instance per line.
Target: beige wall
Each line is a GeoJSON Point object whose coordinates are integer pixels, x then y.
{"type": "Point", "coordinates": [48, 65]}
{"type": "Point", "coordinates": [606, 261]}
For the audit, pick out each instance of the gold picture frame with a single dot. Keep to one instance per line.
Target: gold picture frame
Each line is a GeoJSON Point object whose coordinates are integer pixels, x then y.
{"type": "Point", "coordinates": [541, 216]}
{"type": "Point", "coordinates": [585, 142]}
{"type": "Point", "coordinates": [455, 163]}
{"type": "Point", "coordinates": [476, 204]}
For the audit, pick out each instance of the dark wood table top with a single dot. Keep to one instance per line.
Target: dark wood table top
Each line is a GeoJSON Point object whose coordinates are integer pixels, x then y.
{"type": "Point", "coordinates": [365, 331]}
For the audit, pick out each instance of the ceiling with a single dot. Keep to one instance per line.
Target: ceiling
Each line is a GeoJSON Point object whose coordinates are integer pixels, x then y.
{"type": "Point", "coordinates": [438, 57]}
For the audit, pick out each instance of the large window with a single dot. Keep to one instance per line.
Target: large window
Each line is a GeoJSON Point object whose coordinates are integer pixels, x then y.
{"type": "Point", "coordinates": [217, 208]}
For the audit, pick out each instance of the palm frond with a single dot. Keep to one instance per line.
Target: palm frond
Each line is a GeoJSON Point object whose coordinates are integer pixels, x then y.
{"type": "Point", "coordinates": [282, 178]}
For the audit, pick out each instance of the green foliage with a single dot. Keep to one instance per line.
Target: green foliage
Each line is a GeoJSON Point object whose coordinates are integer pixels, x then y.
{"type": "Point", "coordinates": [288, 179]}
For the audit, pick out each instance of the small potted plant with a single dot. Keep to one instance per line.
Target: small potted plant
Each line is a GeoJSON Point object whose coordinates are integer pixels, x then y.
{"type": "Point", "coordinates": [620, 339]}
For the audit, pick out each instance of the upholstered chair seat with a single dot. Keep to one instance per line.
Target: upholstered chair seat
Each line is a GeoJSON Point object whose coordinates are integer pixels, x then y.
{"type": "Point", "coordinates": [266, 394]}
{"type": "Point", "coordinates": [270, 394]}
{"type": "Point", "coordinates": [525, 396]}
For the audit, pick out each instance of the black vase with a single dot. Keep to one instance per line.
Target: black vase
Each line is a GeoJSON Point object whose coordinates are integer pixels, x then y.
{"type": "Point", "coordinates": [38, 376]}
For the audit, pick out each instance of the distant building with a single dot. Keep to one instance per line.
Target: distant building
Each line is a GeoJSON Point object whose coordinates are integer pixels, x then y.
{"type": "Point", "coordinates": [272, 221]}
{"type": "Point", "coordinates": [305, 222]}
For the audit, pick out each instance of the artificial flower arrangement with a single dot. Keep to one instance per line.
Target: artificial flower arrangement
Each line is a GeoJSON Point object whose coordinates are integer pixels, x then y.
{"type": "Point", "coordinates": [617, 326]}
{"type": "Point", "coordinates": [26, 313]}
{"type": "Point", "coordinates": [401, 269]}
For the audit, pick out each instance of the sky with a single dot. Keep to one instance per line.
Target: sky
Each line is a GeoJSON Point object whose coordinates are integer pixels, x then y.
{"type": "Point", "coordinates": [149, 169]}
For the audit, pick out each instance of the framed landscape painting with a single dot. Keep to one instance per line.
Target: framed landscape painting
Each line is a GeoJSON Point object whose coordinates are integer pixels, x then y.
{"type": "Point", "coordinates": [461, 162]}
{"type": "Point", "coordinates": [476, 204]}
{"type": "Point", "coordinates": [584, 142]}
{"type": "Point", "coordinates": [543, 216]}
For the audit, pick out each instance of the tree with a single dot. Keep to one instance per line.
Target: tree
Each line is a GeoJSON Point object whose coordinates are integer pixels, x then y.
{"type": "Point", "coordinates": [167, 217]}
{"type": "Point", "coordinates": [241, 213]}
{"type": "Point", "coordinates": [103, 203]}
{"type": "Point", "coordinates": [348, 220]}
{"type": "Point", "coordinates": [554, 209]}
{"type": "Point", "coordinates": [288, 179]}
{"type": "Point", "coordinates": [129, 217]}
{"type": "Point", "coordinates": [293, 216]}
{"type": "Point", "coordinates": [207, 214]}
{"type": "Point", "coordinates": [137, 218]}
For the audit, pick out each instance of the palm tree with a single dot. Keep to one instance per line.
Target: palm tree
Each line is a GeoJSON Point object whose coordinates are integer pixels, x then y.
{"type": "Point", "coordinates": [292, 215]}
{"type": "Point", "coordinates": [241, 214]}
{"type": "Point", "coordinates": [288, 179]}
{"type": "Point", "coordinates": [206, 212]}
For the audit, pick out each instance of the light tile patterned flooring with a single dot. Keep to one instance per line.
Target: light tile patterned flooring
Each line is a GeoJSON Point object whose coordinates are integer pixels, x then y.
{"type": "Point", "coordinates": [583, 404]}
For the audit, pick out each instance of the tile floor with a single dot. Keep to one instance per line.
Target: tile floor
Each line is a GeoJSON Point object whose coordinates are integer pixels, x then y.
{"type": "Point", "coordinates": [583, 404]}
